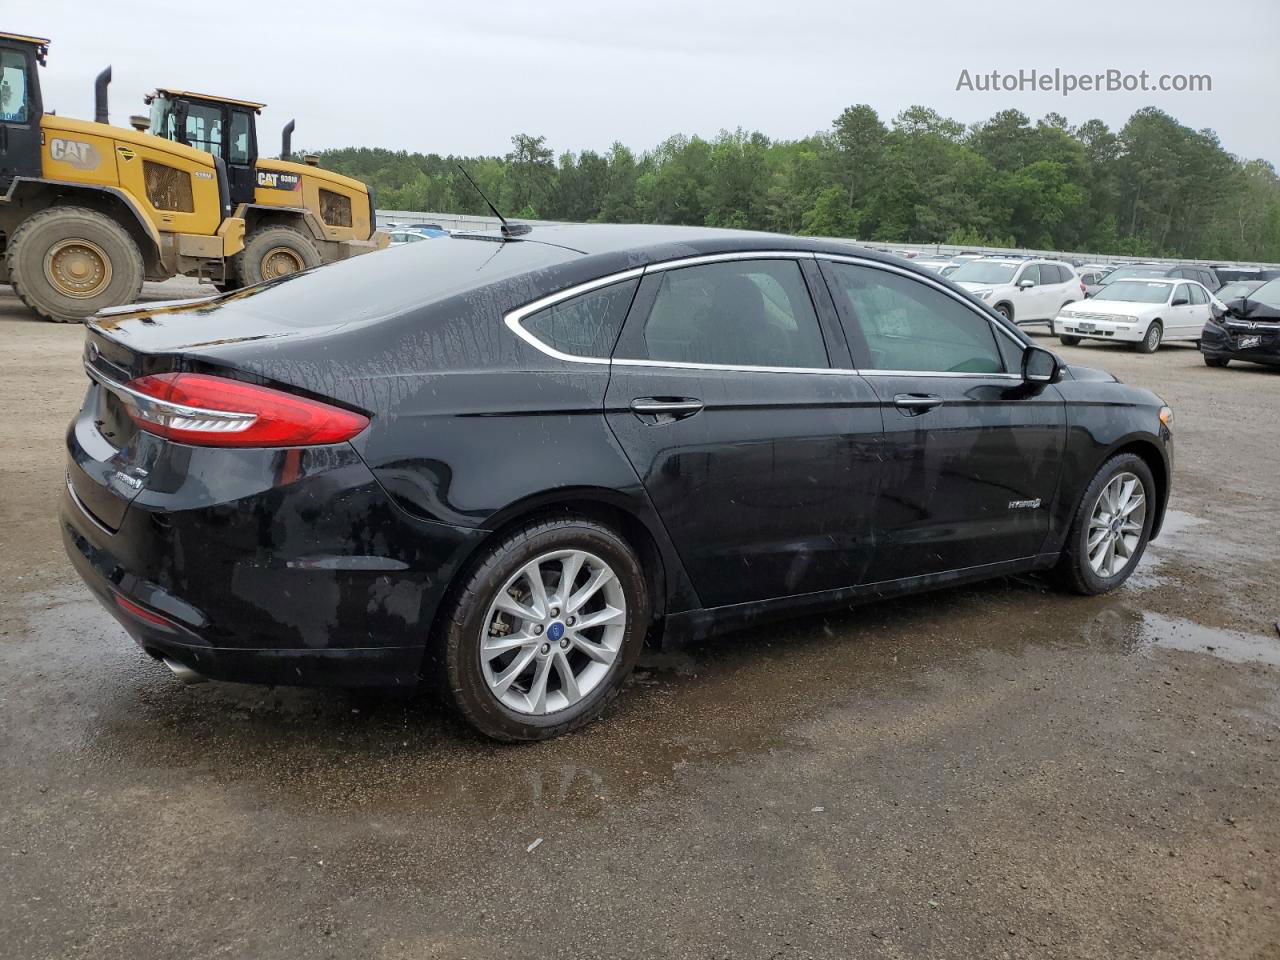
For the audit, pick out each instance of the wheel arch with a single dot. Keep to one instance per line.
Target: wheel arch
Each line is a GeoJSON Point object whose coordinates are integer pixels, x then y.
{"type": "Point", "coordinates": [1157, 462]}
{"type": "Point", "coordinates": [1008, 306]}
{"type": "Point", "coordinates": [664, 575]}
{"type": "Point", "coordinates": [259, 215]}
{"type": "Point", "coordinates": [28, 196]}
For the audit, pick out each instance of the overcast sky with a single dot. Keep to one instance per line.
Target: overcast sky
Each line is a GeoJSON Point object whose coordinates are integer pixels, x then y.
{"type": "Point", "coordinates": [462, 77]}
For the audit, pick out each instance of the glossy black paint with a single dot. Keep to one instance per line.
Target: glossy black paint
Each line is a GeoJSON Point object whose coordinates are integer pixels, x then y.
{"type": "Point", "coordinates": [785, 490]}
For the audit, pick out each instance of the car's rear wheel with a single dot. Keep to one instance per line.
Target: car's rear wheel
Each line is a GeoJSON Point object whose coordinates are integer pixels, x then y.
{"type": "Point", "coordinates": [545, 630]}
{"type": "Point", "coordinates": [1110, 530]}
{"type": "Point", "coordinates": [1067, 340]}
{"type": "Point", "coordinates": [1216, 361]}
{"type": "Point", "coordinates": [1151, 342]}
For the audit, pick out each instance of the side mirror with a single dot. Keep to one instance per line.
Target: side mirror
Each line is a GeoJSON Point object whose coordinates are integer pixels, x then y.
{"type": "Point", "coordinates": [1180, 302]}
{"type": "Point", "coordinates": [1024, 284]}
{"type": "Point", "coordinates": [1040, 366]}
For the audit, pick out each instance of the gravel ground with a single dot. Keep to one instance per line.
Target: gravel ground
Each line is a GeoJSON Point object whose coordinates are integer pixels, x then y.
{"type": "Point", "coordinates": [995, 771]}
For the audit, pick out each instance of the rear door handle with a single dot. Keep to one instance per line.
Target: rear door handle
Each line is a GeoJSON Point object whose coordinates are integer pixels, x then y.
{"type": "Point", "coordinates": [666, 408]}
{"type": "Point", "coordinates": [914, 404]}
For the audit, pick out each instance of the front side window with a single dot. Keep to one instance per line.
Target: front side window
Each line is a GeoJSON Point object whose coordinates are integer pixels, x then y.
{"type": "Point", "coordinates": [204, 128]}
{"type": "Point", "coordinates": [1030, 272]}
{"type": "Point", "coordinates": [239, 137]}
{"type": "Point", "coordinates": [586, 325]}
{"type": "Point", "coordinates": [907, 325]}
{"type": "Point", "coordinates": [754, 313]}
{"type": "Point", "coordinates": [13, 87]}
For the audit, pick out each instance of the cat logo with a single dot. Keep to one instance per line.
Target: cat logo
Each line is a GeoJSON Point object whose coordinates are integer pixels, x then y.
{"type": "Point", "coordinates": [279, 181]}
{"type": "Point", "coordinates": [75, 153]}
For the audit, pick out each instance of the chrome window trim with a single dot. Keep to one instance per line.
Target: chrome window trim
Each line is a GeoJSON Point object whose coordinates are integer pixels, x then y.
{"type": "Point", "coordinates": [513, 318]}
{"type": "Point", "coordinates": [726, 257]}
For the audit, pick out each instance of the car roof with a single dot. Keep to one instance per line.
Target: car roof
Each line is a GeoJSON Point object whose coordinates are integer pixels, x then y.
{"type": "Point", "coordinates": [638, 244]}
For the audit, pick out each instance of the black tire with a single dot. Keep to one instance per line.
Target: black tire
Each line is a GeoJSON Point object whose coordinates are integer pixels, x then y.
{"type": "Point", "coordinates": [1067, 340]}
{"type": "Point", "coordinates": [1150, 343]}
{"type": "Point", "coordinates": [1073, 571]}
{"type": "Point", "coordinates": [1216, 361]}
{"type": "Point", "coordinates": [1005, 311]}
{"type": "Point", "coordinates": [456, 656]}
{"type": "Point", "coordinates": [267, 253]}
{"type": "Point", "coordinates": [106, 251]}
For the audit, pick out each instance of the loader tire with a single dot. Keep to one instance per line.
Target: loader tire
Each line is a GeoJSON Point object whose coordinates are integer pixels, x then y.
{"type": "Point", "coordinates": [274, 252]}
{"type": "Point", "coordinates": [67, 263]}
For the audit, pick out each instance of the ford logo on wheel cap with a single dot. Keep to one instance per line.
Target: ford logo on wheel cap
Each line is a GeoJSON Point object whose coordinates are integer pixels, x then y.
{"type": "Point", "coordinates": [555, 632]}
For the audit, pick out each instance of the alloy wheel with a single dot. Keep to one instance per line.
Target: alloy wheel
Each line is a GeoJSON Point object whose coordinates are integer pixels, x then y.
{"type": "Point", "coordinates": [553, 632]}
{"type": "Point", "coordinates": [1116, 525]}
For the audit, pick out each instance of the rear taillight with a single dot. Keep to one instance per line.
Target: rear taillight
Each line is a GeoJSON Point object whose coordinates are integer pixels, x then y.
{"type": "Point", "coordinates": [1083, 288]}
{"type": "Point", "coordinates": [209, 411]}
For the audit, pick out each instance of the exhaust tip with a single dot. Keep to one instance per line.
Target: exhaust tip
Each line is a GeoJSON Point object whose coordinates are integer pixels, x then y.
{"type": "Point", "coordinates": [183, 672]}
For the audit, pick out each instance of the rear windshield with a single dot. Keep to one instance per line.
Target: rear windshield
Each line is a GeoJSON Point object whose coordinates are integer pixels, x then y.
{"type": "Point", "coordinates": [1125, 273]}
{"type": "Point", "coordinates": [391, 281]}
{"type": "Point", "coordinates": [1135, 291]}
{"type": "Point", "coordinates": [979, 272]}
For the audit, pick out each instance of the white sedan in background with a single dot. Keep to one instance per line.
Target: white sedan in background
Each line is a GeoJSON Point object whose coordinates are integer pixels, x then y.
{"type": "Point", "coordinates": [1144, 312]}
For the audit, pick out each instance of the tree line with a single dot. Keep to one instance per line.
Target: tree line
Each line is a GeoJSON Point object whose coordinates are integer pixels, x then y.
{"type": "Point", "coordinates": [1152, 188]}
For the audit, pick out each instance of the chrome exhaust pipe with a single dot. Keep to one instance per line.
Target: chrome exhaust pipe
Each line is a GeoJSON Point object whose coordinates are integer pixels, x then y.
{"type": "Point", "coordinates": [183, 672]}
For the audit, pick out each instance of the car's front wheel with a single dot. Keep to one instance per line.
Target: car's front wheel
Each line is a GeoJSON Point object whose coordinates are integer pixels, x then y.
{"type": "Point", "coordinates": [1111, 527]}
{"type": "Point", "coordinates": [545, 629]}
{"type": "Point", "coordinates": [1216, 361]}
{"type": "Point", "coordinates": [1151, 342]}
{"type": "Point", "coordinates": [1068, 340]}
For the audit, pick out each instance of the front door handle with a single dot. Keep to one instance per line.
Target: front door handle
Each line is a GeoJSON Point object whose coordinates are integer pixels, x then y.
{"type": "Point", "coordinates": [914, 404]}
{"type": "Point", "coordinates": [666, 408]}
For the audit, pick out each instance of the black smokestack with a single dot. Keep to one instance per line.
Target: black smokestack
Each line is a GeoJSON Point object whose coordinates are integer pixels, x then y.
{"type": "Point", "coordinates": [100, 96]}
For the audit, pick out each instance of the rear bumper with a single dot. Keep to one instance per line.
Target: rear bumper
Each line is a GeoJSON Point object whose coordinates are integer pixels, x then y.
{"type": "Point", "coordinates": [319, 580]}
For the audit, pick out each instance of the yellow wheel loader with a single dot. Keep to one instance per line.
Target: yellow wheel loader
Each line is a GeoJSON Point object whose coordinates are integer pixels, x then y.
{"type": "Point", "coordinates": [88, 211]}
{"type": "Point", "coordinates": [296, 215]}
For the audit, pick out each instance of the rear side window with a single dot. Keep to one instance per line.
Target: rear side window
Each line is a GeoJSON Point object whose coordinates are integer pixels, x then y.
{"type": "Point", "coordinates": [754, 313]}
{"type": "Point", "coordinates": [907, 325]}
{"type": "Point", "coordinates": [1197, 294]}
{"type": "Point", "coordinates": [586, 325]}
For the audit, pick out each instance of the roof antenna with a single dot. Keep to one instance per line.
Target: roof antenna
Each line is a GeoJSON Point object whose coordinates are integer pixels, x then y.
{"type": "Point", "coordinates": [508, 229]}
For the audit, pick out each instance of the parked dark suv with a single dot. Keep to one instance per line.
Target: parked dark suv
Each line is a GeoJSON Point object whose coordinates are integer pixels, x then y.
{"type": "Point", "coordinates": [1187, 271]}
{"type": "Point", "coordinates": [500, 463]}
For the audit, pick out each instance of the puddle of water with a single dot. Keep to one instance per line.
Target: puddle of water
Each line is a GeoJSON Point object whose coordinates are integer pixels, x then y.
{"type": "Point", "coordinates": [1174, 634]}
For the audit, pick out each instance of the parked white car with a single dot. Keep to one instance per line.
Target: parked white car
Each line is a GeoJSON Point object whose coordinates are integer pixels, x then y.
{"type": "Point", "coordinates": [1024, 290]}
{"type": "Point", "coordinates": [1143, 312]}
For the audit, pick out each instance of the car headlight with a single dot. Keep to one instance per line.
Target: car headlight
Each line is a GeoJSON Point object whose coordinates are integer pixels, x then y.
{"type": "Point", "coordinates": [983, 294]}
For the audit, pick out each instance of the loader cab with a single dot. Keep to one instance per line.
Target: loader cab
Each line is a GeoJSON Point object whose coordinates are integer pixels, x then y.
{"type": "Point", "coordinates": [20, 106]}
{"type": "Point", "coordinates": [221, 126]}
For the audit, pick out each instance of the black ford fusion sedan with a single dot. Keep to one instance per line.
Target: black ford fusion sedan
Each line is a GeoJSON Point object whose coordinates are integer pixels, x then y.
{"type": "Point", "coordinates": [501, 463]}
